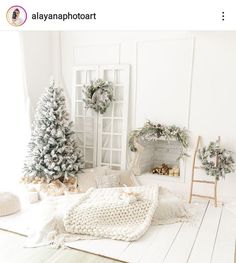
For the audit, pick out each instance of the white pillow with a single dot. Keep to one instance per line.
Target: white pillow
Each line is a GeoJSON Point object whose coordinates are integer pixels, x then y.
{"type": "Point", "coordinates": [109, 180]}
{"type": "Point", "coordinates": [87, 179]}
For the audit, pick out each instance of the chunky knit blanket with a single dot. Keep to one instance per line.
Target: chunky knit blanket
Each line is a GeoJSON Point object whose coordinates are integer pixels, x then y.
{"type": "Point", "coordinates": [113, 213]}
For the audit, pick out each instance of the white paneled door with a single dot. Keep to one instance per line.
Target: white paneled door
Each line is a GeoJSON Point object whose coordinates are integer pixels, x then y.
{"type": "Point", "coordinates": [103, 138]}
{"type": "Point", "coordinates": [85, 120]}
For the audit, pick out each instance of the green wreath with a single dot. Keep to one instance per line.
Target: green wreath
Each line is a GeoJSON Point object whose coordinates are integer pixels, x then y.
{"type": "Point", "coordinates": [207, 156]}
{"type": "Point", "coordinates": [98, 95]}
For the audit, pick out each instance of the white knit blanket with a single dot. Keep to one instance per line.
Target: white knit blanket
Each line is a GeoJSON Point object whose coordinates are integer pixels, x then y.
{"type": "Point", "coordinates": [115, 213]}
{"type": "Point", "coordinates": [99, 213]}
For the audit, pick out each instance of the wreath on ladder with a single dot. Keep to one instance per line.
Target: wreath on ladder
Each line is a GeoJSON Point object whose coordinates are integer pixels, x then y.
{"type": "Point", "coordinates": [98, 95]}
{"type": "Point", "coordinates": [225, 161]}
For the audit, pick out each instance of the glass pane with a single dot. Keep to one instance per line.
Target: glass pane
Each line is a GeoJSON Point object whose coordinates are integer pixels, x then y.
{"type": "Point", "coordinates": [89, 139]}
{"type": "Point", "coordinates": [88, 165]}
{"type": "Point", "coordinates": [105, 156]}
{"type": "Point", "coordinates": [88, 112]}
{"type": "Point", "coordinates": [80, 138]}
{"type": "Point", "coordinates": [79, 95]}
{"type": "Point", "coordinates": [119, 91]}
{"type": "Point", "coordinates": [79, 124]}
{"type": "Point", "coordinates": [80, 108]}
{"type": "Point", "coordinates": [106, 125]}
{"type": "Point", "coordinates": [118, 107]}
{"type": "Point", "coordinates": [116, 157]}
{"type": "Point", "coordinates": [116, 143]}
{"type": "Point", "coordinates": [78, 77]}
{"type": "Point", "coordinates": [117, 126]}
{"type": "Point", "coordinates": [106, 141]}
{"type": "Point", "coordinates": [122, 75]}
{"type": "Point", "coordinates": [108, 112]}
{"type": "Point", "coordinates": [88, 155]}
{"type": "Point", "coordinates": [117, 77]}
{"type": "Point", "coordinates": [88, 124]}
{"type": "Point", "coordinates": [91, 75]}
{"type": "Point", "coordinates": [83, 77]}
{"type": "Point", "coordinates": [109, 75]}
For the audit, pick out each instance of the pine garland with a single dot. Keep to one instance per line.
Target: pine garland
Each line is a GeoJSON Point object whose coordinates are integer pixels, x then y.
{"type": "Point", "coordinates": [152, 132]}
{"type": "Point", "coordinates": [53, 152]}
{"type": "Point", "coordinates": [98, 95]}
{"type": "Point", "coordinates": [207, 156]}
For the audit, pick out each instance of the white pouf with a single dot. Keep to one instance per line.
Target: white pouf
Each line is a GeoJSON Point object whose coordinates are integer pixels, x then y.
{"type": "Point", "coordinates": [9, 203]}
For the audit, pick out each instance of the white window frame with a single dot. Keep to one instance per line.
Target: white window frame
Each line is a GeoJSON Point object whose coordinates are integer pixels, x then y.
{"type": "Point", "coordinates": [99, 71]}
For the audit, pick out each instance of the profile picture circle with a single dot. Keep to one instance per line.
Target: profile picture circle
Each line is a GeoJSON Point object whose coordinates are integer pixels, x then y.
{"type": "Point", "coordinates": [16, 15]}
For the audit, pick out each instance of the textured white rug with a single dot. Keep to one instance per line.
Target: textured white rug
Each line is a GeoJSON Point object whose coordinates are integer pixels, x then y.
{"type": "Point", "coordinates": [171, 209]}
{"type": "Point", "coordinates": [20, 222]}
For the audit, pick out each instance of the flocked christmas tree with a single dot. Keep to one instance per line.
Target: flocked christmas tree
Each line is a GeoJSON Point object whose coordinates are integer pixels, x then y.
{"type": "Point", "coordinates": [53, 152]}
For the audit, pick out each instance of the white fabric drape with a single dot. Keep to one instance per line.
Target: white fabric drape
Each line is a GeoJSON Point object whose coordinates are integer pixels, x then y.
{"type": "Point", "coordinates": [14, 110]}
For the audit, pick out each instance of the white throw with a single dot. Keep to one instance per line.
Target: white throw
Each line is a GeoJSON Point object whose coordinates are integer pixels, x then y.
{"type": "Point", "coordinates": [105, 213]}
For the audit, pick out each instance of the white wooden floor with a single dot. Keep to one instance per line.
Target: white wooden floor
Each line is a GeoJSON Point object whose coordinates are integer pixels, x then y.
{"type": "Point", "coordinates": [209, 238]}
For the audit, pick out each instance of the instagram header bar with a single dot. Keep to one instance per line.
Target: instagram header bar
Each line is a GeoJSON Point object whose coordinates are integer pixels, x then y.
{"type": "Point", "coordinates": [119, 15]}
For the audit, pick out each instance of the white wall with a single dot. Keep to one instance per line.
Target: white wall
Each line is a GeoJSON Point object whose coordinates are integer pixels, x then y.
{"type": "Point", "coordinates": [37, 48]}
{"type": "Point", "coordinates": [198, 94]}
{"type": "Point", "coordinates": [82, 48]}
{"type": "Point", "coordinates": [212, 111]}
{"type": "Point", "coordinates": [164, 74]}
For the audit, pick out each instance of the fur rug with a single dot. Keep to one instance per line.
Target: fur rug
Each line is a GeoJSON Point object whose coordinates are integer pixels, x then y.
{"type": "Point", "coordinates": [49, 226]}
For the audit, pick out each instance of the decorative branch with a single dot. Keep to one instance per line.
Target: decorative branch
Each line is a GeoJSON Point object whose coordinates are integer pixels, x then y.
{"type": "Point", "coordinates": [152, 132]}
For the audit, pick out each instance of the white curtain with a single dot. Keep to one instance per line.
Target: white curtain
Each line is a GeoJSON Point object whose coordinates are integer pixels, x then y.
{"type": "Point", "coordinates": [14, 115]}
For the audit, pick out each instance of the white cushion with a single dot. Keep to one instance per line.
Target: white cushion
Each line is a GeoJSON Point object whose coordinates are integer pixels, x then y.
{"type": "Point", "coordinates": [9, 203]}
{"type": "Point", "coordinates": [108, 180]}
{"type": "Point", "coordinates": [87, 179]}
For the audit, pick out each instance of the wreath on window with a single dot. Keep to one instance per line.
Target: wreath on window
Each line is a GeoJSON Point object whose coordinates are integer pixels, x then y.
{"type": "Point", "coordinates": [98, 95]}
{"type": "Point", "coordinates": [208, 155]}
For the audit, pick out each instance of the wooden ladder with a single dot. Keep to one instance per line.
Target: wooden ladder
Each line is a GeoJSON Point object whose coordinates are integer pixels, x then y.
{"type": "Point", "coordinates": [194, 167]}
